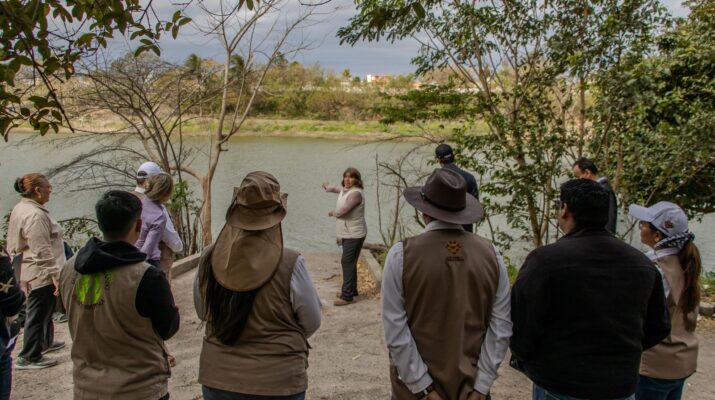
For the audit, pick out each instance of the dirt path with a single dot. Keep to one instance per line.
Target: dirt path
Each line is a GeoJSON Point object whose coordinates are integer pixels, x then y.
{"type": "Point", "coordinates": [348, 359]}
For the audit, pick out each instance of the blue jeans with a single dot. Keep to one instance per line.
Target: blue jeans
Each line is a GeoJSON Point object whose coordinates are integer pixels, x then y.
{"type": "Point", "coordinates": [659, 389]}
{"type": "Point", "coordinates": [540, 393]}
{"type": "Point", "coordinates": [217, 394]}
{"type": "Point", "coordinates": [6, 373]}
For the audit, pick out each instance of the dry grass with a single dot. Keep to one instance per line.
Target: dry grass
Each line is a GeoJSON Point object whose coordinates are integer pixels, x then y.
{"type": "Point", "coordinates": [367, 287]}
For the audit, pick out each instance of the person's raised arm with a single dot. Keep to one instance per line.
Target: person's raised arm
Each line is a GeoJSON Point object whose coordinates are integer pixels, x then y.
{"type": "Point", "coordinates": [330, 188]}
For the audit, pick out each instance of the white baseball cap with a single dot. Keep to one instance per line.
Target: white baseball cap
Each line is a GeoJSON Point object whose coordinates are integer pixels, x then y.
{"type": "Point", "coordinates": [664, 215]}
{"type": "Point", "coordinates": [148, 169]}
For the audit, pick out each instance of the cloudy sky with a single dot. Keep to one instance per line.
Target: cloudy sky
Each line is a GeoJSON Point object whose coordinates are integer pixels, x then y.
{"type": "Point", "coordinates": [364, 58]}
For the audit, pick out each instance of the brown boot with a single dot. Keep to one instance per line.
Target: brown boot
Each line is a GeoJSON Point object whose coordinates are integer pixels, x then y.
{"type": "Point", "coordinates": [342, 302]}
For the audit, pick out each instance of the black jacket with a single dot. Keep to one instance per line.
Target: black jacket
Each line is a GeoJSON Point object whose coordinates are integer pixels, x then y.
{"type": "Point", "coordinates": [154, 299]}
{"type": "Point", "coordinates": [11, 297]}
{"type": "Point", "coordinates": [612, 223]}
{"type": "Point", "coordinates": [472, 187]}
{"type": "Point", "coordinates": [583, 309]}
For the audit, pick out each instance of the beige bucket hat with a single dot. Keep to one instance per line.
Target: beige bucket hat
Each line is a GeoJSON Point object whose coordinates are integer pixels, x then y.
{"type": "Point", "coordinates": [248, 250]}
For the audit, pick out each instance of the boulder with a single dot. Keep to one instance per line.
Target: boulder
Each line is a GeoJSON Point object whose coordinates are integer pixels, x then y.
{"type": "Point", "coordinates": [707, 309]}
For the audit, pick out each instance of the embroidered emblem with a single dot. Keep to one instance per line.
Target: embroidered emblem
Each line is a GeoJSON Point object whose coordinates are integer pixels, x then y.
{"type": "Point", "coordinates": [453, 247]}
{"type": "Point", "coordinates": [89, 289]}
{"type": "Point", "coordinates": [5, 287]}
{"type": "Point", "coordinates": [669, 224]}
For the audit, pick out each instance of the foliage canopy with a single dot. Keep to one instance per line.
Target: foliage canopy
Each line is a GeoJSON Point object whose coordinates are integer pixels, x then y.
{"type": "Point", "coordinates": [42, 40]}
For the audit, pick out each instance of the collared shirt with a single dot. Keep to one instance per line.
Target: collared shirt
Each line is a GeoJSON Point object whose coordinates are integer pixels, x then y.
{"type": "Point", "coordinates": [403, 349]}
{"type": "Point", "coordinates": [33, 233]}
{"type": "Point", "coordinates": [303, 297]}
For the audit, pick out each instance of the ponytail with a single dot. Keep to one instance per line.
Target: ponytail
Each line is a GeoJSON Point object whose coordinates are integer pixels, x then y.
{"type": "Point", "coordinates": [27, 184]}
{"type": "Point", "coordinates": [691, 263]}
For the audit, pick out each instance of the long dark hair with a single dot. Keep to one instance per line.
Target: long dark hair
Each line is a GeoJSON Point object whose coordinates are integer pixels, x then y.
{"type": "Point", "coordinates": [691, 263]}
{"type": "Point", "coordinates": [226, 312]}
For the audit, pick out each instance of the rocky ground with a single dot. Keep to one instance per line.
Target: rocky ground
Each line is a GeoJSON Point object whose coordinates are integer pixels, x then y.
{"type": "Point", "coordinates": [348, 359]}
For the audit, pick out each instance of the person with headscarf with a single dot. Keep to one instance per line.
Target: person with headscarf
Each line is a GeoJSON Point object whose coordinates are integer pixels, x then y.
{"type": "Point", "coordinates": [665, 367]}
{"type": "Point", "coordinates": [257, 300]}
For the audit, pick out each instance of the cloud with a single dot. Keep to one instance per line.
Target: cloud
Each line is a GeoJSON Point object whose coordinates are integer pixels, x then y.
{"type": "Point", "coordinates": [363, 58]}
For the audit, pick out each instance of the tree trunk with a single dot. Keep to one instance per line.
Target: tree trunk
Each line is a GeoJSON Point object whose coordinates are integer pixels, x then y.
{"type": "Point", "coordinates": [206, 185]}
{"type": "Point", "coordinates": [581, 115]}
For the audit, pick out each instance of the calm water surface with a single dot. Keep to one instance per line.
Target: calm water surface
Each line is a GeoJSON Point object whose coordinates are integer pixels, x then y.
{"type": "Point", "coordinates": [300, 165]}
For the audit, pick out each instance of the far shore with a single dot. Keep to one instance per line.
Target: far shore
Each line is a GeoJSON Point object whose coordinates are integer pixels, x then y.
{"type": "Point", "coordinates": [368, 131]}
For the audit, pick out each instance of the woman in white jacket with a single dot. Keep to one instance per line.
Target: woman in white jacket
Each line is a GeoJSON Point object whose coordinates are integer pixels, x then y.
{"type": "Point", "coordinates": [351, 229]}
{"type": "Point", "coordinates": [35, 236]}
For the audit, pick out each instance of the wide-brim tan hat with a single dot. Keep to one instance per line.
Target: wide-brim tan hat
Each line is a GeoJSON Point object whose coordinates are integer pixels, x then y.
{"type": "Point", "coordinates": [444, 197]}
{"type": "Point", "coordinates": [248, 250]}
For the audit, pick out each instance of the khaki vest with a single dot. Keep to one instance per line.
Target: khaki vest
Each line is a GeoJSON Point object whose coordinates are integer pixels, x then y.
{"type": "Point", "coordinates": [351, 225]}
{"type": "Point", "coordinates": [115, 351]}
{"type": "Point", "coordinates": [676, 357]}
{"type": "Point", "coordinates": [271, 356]}
{"type": "Point", "coordinates": [450, 280]}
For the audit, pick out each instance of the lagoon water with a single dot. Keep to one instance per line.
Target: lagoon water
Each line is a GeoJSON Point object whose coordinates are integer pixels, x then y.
{"type": "Point", "coordinates": [299, 164]}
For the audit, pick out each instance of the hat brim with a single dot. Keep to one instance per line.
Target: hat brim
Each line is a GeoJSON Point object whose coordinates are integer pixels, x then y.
{"type": "Point", "coordinates": [471, 213]}
{"type": "Point", "coordinates": [640, 213]}
{"type": "Point", "coordinates": [248, 222]}
{"type": "Point", "coordinates": [244, 260]}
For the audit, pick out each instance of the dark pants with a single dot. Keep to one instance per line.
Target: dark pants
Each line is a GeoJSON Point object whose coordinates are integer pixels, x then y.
{"type": "Point", "coordinates": [351, 253]}
{"type": "Point", "coordinates": [39, 330]}
{"type": "Point", "coordinates": [659, 389]}
{"type": "Point", "coordinates": [6, 373]}
{"type": "Point", "coordinates": [217, 394]}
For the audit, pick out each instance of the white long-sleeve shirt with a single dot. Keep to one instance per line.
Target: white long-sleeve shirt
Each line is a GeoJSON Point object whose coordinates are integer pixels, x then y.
{"type": "Point", "coordinates": [403, 349]}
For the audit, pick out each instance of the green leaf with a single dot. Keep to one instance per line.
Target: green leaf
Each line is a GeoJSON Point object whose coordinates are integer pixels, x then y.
{"type": "Point", "coordinates": [419, 10]}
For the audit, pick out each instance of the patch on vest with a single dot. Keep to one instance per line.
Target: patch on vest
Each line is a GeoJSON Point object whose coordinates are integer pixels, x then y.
{"type": "Point", "coordinates": [89, 289]}
{"type": "Point", "coordinates": [453, 247]}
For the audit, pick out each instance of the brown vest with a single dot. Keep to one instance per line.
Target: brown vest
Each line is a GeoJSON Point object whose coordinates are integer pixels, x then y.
{"type": "Point", "coordinates": [271, 356]}
{"type": "Point", "coordinates": [676, 357]}
{"type": "Point", "coordinates": [450, 279]}
{"type": "Point", "coordinates": [115, 351]}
